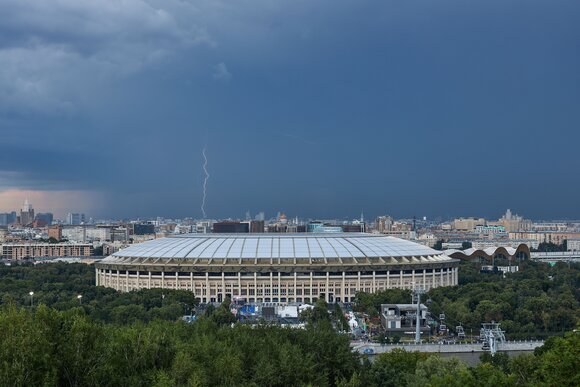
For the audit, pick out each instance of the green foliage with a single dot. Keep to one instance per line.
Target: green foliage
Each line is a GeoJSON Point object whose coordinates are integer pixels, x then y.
{"type": "Point", "coordinates": [551, 246]}
{"type": "Point", "coordinates": [561, 362]}
{"type": "Point", "coordinates": [371, 302]}
{"type": "Point", "coordinates": [136, 338]}
{"type": "Point", "coordinates": [317, 315]}
{"type": "Point", "coordinates": [222, 315]}
{"type": "Point", "coordinates": [437, 371]}
{"type": "Point", "coordinates": [50, 347]}
{"type": "Point", "coordinates": [394, 368]}
{"type": "Point", "coordinates": [537, 301]}
{"type": "Point", "coordinates": [58, 284]}
{"type": "Point", "coordinates": [98, 251]}
{"type": "Point", "coordinates": [556, 366]}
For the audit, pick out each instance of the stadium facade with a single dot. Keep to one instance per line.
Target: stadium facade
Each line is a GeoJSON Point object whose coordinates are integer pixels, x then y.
{"type": "Point", "coordinates": [277, 267]}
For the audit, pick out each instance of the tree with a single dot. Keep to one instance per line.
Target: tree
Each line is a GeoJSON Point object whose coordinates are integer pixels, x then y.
{"type": "Point", "coordinates": [317, 315]}
{"type": "Point", "coordinates": [560, 363]}
{"type": "Point", "coordinates": [223, 314]}
{"type": "Point", "coordinates": [436, 371]}
{"type": "Point", "coordinates": [394, 368]}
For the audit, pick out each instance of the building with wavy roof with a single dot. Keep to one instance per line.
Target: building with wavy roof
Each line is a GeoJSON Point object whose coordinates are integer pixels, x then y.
{"type": "Point", "coordinates": [277, 267]}
{"type": "Point", "coordinates": [491, 254]}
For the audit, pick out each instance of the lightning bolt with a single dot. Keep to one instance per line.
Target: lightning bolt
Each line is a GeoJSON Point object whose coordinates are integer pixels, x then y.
{"type": "Point", "coordinates": [204, 183]}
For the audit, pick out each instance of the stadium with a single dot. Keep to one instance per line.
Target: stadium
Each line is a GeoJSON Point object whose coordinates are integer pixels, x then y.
{"type": "Point", "coordinates": [277, 267]}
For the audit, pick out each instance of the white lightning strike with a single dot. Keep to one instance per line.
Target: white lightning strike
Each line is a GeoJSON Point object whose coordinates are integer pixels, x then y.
{"type": "Point", "coordinates": [204, 183]}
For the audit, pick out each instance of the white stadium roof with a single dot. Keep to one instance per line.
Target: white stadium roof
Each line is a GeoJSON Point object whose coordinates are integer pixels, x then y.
{"type": "Point", "coordinates": [256, 246]}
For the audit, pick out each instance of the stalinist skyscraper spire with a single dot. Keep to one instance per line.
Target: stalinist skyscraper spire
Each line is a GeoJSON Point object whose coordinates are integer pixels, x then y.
{"type": "Point", "coordinates": [26, 213]}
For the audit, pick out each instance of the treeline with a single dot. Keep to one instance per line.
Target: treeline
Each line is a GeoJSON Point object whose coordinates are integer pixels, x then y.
{"type": "Point", "coordinates": [59, 286]}
{"type": "Point", "coordinates": [49, 347]}
{"type": "Point", "coordinates": [537, 301]}
{"type": "Point", "coordinates": [56, 348]}
{"type": "Point", "coordinates": [554, 364]}
{"type": "Point", "coordinates": [548, 247]}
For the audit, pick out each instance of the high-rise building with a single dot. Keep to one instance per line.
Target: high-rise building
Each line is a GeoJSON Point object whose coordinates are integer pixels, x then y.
{"type": "Point", "coordinates": [26, 213]}
{"type": "Point", "coordinates": [384, 224]}
{"type": "Point", "coordinates": [75, 219]}
{"type": "Point", "coordinates": [5, 219]}
{"type": "Point", "coordinates": [513, 222]}
{"type": "Point", "coordinates": [45, 217]}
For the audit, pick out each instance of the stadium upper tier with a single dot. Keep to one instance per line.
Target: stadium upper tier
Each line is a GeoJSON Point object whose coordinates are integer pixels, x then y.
{"type": "Point", "coordinates": [267, 246]}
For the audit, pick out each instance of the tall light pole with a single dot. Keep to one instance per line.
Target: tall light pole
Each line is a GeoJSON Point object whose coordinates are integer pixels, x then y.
{"type": "Point", "coordinates": [31, 299]}
{"type": "Point", "coordinates": [80, 298]}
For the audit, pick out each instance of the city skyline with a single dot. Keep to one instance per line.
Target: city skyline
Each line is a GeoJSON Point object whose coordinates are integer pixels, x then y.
{"type": "Point", "coordinates": [259, 215]}
{"type": "Point", "coordinates": [316, 108]}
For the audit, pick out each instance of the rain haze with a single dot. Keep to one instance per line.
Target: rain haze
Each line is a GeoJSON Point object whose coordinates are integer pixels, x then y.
{"type": "Point", "coordinates": [315, 108]}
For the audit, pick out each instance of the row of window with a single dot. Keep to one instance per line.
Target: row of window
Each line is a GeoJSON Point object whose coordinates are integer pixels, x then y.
{"type": "Point", "coordinates": [268, 274]}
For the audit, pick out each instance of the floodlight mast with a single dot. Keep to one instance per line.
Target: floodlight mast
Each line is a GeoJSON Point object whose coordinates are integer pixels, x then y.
{"type": "Point", "coordinates": [417, 291]}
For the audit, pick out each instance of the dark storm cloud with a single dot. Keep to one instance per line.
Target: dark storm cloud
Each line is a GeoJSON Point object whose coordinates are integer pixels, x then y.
{"type": "Point", "coordinates": [315, 108]}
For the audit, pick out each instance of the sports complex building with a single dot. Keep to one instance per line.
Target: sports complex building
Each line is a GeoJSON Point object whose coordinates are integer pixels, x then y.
{"type": "Point", "coordinates": [277, 267]}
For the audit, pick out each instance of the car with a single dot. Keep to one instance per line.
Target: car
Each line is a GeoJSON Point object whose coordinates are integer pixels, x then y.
{"type": "Point", "coordinates": [368, 351]}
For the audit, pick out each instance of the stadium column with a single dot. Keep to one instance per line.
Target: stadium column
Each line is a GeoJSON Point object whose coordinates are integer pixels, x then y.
{"type": "Point", "coordinates": [358, 289]}
{"type": "Point", "coordinates": [310, 291]}
{"type": "Point", "coordinates": [271, 286]}
{"type": "Point", "coordinates": [373, 285]}
{"type": "Point", "coordinates": [295, 285]}
{"type": "Point", "coordinates": [388, 279]}
{"type": "Point", "coordinates": [162, 279]}
{"type": "Point", "coordinates": [413, 276]}
{"type": "Point", "coordinates": [441, 277]}
{"type": "Point", "coordinates": [176, 280]}
{"type": "Point", "coordinates": [326, 293]}
{"type": "Point", "coordinates": [343, 293]}
{"type": "Point", "coordinates": [149, 280]}
{"type": "Point", "coordinates": [256, 286]}
{"type": "Point", "coordinates": [223, 290]}
{"type": "Point", "coordinates": [126, 280]}
{"type": "Point", "coordinates": [448, 276]}
{"type": "Point", "coordinates": [118, 287]}
{"type": "Point", "coordinates": [97, 277]}
{"type": "Point", "coordinates": [138, 279]}
{"type": "Point", "coordinates": [433, 284]}
{"type": "Point", "coordinates": [207, 289]}
{"type": "Point", "coordinates": [239, 284]}
{"type": "Point", "coordinates": [191, 282]}
{"type": "Point", "coordinates": [401, 279]}
{"type": "Point", "coordinates": [424, 278]}
{"type": "Point", "coordinates": [279, 292]}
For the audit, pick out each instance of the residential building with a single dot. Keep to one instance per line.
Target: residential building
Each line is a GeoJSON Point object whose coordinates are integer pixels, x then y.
{"type": "Point", "coordinates": [18, 251]}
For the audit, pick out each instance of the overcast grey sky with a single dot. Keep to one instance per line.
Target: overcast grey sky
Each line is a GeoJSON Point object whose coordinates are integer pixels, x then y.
{"type": "Point", "coordinates": [315, 108]}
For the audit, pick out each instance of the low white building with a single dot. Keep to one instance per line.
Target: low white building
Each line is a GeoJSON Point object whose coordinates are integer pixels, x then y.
{"type": "Point", "coordinates": [573, 244]}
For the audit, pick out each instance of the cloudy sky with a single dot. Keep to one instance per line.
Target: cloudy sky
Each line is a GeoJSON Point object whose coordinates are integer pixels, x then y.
{"type": "Point", "coordinates": [315, 108]}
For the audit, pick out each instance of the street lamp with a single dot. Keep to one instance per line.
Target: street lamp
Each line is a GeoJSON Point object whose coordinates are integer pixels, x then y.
{"type": "Point", "coordinates": [31, 299]}
{"type": "Point", "coordinates": [80, 298]}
